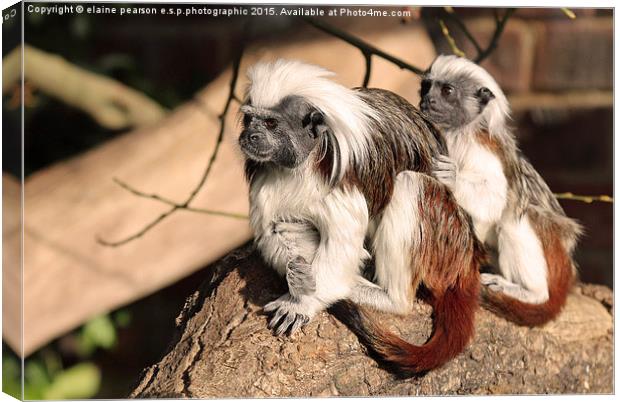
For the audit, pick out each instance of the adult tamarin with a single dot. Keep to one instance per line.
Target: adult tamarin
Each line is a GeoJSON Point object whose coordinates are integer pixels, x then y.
{"type": "Point", "coordinates": [332, 169]}
{"type": "Point", "coordinates": [512, 208]}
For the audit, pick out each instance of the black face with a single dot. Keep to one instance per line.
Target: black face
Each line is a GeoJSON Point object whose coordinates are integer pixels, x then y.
{"type": "Point", "coordinates": [451, 105]}
{"type": "Point", "coordinates": [285, 134]}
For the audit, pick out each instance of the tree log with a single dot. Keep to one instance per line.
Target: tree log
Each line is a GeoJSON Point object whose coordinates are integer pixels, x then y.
{"type": "Point", "coordinates": [223, 348]}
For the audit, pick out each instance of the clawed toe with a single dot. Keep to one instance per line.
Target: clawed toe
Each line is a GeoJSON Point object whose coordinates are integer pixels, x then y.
{"type": "Point", "coordinates": [286, 315]}
{"type": "Point", "coordinates": [287, 323]}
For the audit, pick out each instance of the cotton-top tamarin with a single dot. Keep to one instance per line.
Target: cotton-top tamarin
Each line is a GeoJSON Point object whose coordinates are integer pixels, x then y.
{"type": "Point", "coordinates": [513, 210]}
{"type": "Point", "coordinates": [332, 169]}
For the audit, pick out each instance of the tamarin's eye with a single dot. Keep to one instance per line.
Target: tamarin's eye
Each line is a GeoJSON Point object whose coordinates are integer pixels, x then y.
{"type": "Point", "coordinates": [271, 123]}
{"type": "Point", "coordinates": [447, 90]}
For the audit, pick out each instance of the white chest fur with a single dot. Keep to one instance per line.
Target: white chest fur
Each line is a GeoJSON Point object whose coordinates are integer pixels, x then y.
{"type": "Point", "coordinates": [480, 186]}
{"type": "Point", "coordinates": [281, 196]}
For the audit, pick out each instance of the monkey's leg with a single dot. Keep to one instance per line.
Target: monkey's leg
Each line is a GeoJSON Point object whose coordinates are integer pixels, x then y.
{"type": "Point", "coordinates": [300, 277]}
{"type": "Point", "coordinates": [370, 294]}
{"type": "Point", "coordinates": [297, 243]}
{"type": "Point", "coordinates": [521, 262]}
{"type": "Point", "coordinates": [397, 233]}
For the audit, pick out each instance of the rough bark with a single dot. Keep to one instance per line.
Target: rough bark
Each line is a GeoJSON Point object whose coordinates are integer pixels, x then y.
{"type": "Point", "coordinates": [223, 348]}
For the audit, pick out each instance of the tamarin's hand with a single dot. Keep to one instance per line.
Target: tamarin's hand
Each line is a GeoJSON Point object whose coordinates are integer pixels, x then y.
{"type": "Point", "coordinates": [444, 169]}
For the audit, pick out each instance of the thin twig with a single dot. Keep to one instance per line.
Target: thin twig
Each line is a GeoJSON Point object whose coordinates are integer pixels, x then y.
{"type": "Point", "coordinates": [139, 233]}
{"type": "Point", "coordinates": [185, 205]}
{"type": "Point", "coordinates": [500, 24]}
{"type": "Point", "coordinates": [461, 26]}
{"type": "Point", "coordinates": [139, 193]}
{"type": "Point", "coordinates": [569, 13]}
{"type": "Point", "coordinates": [588, 199]}
{"type": "Point", "coordinates": [159, 198]}
{"type": "Point", "coordinates": [368, 58]}
{"type": "Point", "coordinates": [450, 39]}
{"type": "Point", "coordinates": [365, 47]}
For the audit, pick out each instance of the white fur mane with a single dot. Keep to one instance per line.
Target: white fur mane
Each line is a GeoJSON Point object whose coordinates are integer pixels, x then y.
{"type": "Point", "coordinates": [497, 112]}
{"type": "Point", "coordinates": [345, 111]}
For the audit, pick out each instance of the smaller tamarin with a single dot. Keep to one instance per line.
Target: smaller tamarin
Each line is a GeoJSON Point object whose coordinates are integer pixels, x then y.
{"type": "Point", "coordinates": [512, 208]}
{"type": "Point", "coordinates": [337, 175]}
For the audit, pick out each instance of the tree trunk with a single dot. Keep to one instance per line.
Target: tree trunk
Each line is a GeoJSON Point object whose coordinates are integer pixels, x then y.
{"type": "Point", "coordinates": [223, 348]}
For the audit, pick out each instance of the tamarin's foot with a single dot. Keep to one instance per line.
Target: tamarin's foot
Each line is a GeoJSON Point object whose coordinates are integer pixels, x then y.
{"type": "Point", "coordinates": [290, 313]}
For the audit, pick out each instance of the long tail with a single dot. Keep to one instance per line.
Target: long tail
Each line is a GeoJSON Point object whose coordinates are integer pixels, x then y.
{"type": "Point", "coordinates": [560, 278]}
{"type": "Point", "coordinates": [453, 324]}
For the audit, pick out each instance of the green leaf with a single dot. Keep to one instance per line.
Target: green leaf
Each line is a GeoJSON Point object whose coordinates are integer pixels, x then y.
{"type": "Point", "coordinates": [51, 360]}
{"type": "Point", "coordinates": [122, 318]}
{"type": "Point", "coordinates": [35, 374]}
{"type": "Point", "coordinates": [32, 392]}
{"type": "Point", "coordinates": [81, 381]}
{"type": "Point", "coordinates": [100, 331]}
{"type": "Point", "coordinates": [10, 367]}
{"type": "Point", "coordinates": [36, 379]}
{"type": "Point", "coordinates": [85, 345]}
{"type": "Point", "coordinates": [13, 388]}
{"type": "Point", "coordinates": [11, 380]}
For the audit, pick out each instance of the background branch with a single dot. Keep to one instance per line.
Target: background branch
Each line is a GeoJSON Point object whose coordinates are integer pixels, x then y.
{"type": "Point", "coordinates": [588, 199]}
{"type": "Point", "coordinates": [365, 47]}
{"type": "Point", "coordinates": [112, 104]}
{"type": "Point", "coordinates": [185, 205]}
{"type": "Point", "coordinates": [500, 25]}
{"type": "Point", "coordinates": [450, 14]}
{"type": "Point", "coordinates": [450, 39]}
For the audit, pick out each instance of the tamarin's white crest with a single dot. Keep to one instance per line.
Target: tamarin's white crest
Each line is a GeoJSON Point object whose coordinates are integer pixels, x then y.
{"type": "Point", "coordinates": [338, 175]}
{"type": "Point", "coordinates": [513, 210]}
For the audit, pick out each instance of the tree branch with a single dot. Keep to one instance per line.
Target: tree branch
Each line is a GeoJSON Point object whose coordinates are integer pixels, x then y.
{"type": "Point", "coordinates": [365, 47]}
{"type": "Point", "coordinates": [159, 198]}
{"type": "Point", "coordinates": [112, 104]}
{"type": "Point", "coordinates": [185, 205]}
{"type": "Point", "coordinates": [450, 39]}
{"type": "Point", "coordinates": [588, 199]}
{"type": "Point", "coordinates": [450, 14]}
{"type": "Point", "coordinates": [500, 24]}
{"type": "Point", "coordinates": [368, 58]}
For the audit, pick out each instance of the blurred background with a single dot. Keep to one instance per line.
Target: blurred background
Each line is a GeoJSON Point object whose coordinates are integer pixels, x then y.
{"type": "Point", "coordinates": [96, 316]}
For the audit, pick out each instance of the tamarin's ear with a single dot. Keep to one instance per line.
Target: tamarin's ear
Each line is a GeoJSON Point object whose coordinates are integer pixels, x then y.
{"type": "Point", "coordinates": [484, 95]}
{"type": "Point", "coordinates": [317, 118]}
{"type": "Point", "coordinates": [317, 121]}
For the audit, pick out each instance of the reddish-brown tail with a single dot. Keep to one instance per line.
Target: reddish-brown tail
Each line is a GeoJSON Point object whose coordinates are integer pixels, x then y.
{"type": "Point", "coordinates": [560, 278]}
{"type": "Point", "coordinates": [453, 324]}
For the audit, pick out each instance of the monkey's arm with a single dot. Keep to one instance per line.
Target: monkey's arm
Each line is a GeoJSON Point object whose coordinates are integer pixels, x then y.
{"type": "Point", "coordinates": [300, 240]}
{"type": "Point", "coordinates": [480, 188]}
{"type": "Point", "coordinates": [341, 219]}
{"type": "Point", "coordinates": [444, 169]}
